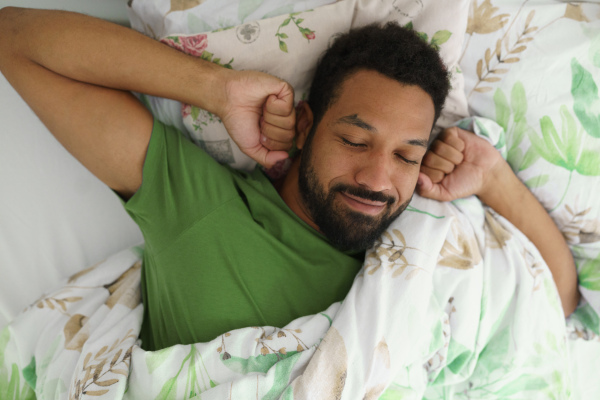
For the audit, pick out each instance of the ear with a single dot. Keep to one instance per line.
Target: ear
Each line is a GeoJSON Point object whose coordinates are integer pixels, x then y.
{"type": "Point", "coordinates": [304, 122]}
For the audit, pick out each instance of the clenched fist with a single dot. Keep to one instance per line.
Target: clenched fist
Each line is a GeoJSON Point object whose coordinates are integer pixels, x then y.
{"type": "Point", "coordinates": [258, 112]}
{"type": "Point", "coordinates": [459, 164]}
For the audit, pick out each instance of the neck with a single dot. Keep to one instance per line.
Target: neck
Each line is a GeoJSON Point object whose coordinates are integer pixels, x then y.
{"type": "Point", "coordinates": [289, 190]}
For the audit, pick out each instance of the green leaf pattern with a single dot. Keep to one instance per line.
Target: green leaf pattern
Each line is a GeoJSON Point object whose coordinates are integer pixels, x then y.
{"type": "Point", "coordinates": [307, 33]}
{"type": "Point", "coordinates": [587, 102]}
{"type": "Point", "coordinates": [482, 346]}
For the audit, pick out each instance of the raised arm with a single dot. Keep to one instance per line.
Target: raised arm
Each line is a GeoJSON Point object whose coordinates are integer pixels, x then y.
{"type": "Point", "coordinates": [460, 164]}
{"type": "Point", "coordinates": [76, 72]}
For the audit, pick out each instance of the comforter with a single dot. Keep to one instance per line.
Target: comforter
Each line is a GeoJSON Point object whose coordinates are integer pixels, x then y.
{"type": "Point", "coordinates": [452, 302]}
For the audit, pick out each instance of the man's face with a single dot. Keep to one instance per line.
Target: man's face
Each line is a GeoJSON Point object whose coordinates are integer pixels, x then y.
{"type": "Point", "coordinates": [360, 170]}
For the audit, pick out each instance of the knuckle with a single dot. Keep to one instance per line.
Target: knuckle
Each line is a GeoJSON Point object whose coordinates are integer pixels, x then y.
{"type": "Point", "coordinates": [288, 135]}
{"type": "Point", "coordinates": [448, 168]}
{"type": "Point", "coordinates": [437, 145]}
{"type": "Point", "coordinates": [288, 124]}
{"type": "Point", "coordinates": [437, 176]}
{"type": "Point", "coordinates": [427, 160]}
{"type": "Point", "coordinates": [453, 131]}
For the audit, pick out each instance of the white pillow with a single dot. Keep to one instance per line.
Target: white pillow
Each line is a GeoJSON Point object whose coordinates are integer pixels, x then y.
{"type": "Point", "coordinates": [289, 46]}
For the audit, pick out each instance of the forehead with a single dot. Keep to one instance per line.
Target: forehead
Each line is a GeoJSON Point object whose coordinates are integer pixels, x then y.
{"type": "Point", "coordinates": [384, 103]}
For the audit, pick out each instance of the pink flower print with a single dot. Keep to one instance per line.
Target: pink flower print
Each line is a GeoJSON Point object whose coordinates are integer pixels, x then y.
{"type": "Point", "coordinates": [172, 41]}
{"type": "Point", "coordinates": [186, 110]}
{"type": "Point", "coordinates": [310, 35]}
{"type": "Point", "coordinates": [194, 45]}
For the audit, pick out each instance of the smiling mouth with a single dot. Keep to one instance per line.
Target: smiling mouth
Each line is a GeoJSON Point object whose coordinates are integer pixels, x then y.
{"type": "Point", "coordinates": [363, 205]}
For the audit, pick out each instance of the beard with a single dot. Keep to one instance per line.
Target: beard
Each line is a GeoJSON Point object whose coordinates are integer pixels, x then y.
{"type": "Point", "coordinates": [347, 230]}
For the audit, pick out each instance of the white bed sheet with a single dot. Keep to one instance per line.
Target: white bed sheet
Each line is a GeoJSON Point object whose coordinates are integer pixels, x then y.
{"type": "Point", "coordinates": [55, 216]}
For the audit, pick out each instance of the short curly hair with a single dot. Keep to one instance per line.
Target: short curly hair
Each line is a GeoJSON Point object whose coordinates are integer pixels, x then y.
{"type": "Point", "coordinates": [392, 50]}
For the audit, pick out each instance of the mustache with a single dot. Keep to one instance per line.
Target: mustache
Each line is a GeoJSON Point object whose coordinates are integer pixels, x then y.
{"type": "Point", "coordinates": [363, 193]}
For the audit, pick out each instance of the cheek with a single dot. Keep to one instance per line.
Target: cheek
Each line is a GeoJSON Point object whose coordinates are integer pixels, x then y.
{"type": "Point", "coordinates": [334, 166]}
{"type": "Point", "coordinates": [405, 183]}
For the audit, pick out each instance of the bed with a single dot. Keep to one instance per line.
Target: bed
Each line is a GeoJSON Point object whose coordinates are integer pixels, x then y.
{"type": "Point", "coordinates": [525, 76]}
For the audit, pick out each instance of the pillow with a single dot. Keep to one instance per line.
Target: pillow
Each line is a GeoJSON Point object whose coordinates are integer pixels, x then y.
{"type": "Point", "coordinates": [160, 18]}
{"type": "Point", "coordinates": [289, 46]}
{"type": "Point", "coordinates": [534, 68]}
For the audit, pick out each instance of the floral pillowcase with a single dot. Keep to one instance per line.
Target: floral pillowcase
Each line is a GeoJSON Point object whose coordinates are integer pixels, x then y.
{"type": "Point", "coordinates": [288, 46]}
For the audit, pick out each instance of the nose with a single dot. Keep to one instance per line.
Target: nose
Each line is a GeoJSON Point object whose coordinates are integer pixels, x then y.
{"type": "Point", "coordinates": [375, 173]}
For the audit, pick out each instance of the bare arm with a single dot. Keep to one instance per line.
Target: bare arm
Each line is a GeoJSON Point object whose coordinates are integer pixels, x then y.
{"type": "Point", "coordinates": [76, 72]}
{"type": "Point", "coordinates": [464, 164]}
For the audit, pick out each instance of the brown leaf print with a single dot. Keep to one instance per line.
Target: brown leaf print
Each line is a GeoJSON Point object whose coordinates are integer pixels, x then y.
{"type": "Point", "coordinates": [126, 289]}
{"type": "Point", "coordinates": [79, 274]}
{"type": "Point", "coordinates": [97, 366]}
{"type": "Point", "coordinates": [95, 392]}
{"type": "Point", "coordinates": [574, 11]}
{"type": "Point", "coordinates": [495, 234]}
{"type": "Point", "coordinates": [182, 5]}
{"type": "Point", "coordinates": [383, 353]}
{"type": "Point", "coordinates": [76, 333]}
{"type": "Point", "coordinates": [503, 55]}
{"type": "Point", "coordinates": [326, 372]}
{"type": "Point", "coordinates": [482, 19]}
{"type": "Point", "coordinates": [465, 256]}
{"type": "Point", "coordinates": [535, 269]}
{"type": "Point", "coordinates": [576, 229]}
{"type": "Point", "coordinates": [389, 249]}
{"type": "Point", "coordinates": [372, 263]}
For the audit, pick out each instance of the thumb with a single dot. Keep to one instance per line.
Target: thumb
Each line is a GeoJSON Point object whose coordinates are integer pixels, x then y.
{"type": "Point", "coordinates": [265, 157]}
{"type": "Point", "coordinates": [281, 101]}
{"type": "Point", "coordinates": [273, 157]}
{"type": "Point", "coordinates": [426, 188]}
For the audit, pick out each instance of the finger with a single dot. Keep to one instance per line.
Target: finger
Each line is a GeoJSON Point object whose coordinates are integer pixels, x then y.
{"type": "Point", "coordinates": [434, 161]}
{"type": "Point", "coordinates": [435, 175]}
{"type": "Point", "coordinates": [447, 152]}
{"type": "Point", "coordinates": [276, 132]}
{"type": "Point", "coordinates": [452, 137]}
{"type": "Point", "coordinates": [282, 102]}
{"type": "Point", "coordinates": [266, 157]}
{"type": "Point", "coordinates": [285, 122]}
{"type": "Point", "coordinates": [467, 136]}
{"type": "Point", "coordinates": [271, 144]}
{"type": "Point", "coordinates": [427, 188]}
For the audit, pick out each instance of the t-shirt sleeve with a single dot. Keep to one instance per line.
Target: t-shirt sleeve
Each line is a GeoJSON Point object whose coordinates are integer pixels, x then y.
{"type": "Point", "coordinates": [181, 184]}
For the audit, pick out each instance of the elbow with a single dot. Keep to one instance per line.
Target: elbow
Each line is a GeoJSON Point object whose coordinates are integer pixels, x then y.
{"type": "Point", "coordinates": [10, 26]}
{"type": "Point", "coordinates": [7, 14]}
{"type": "Point", "coordinates": [570, 305]}
{"type": "Point", "coordinates": [7, 25]}
{"type": "Point", "coordinates": [11, 22]}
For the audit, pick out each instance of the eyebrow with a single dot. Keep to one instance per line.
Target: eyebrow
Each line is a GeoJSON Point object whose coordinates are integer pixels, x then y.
{"type": "Point", "coordinates": [355, 120]}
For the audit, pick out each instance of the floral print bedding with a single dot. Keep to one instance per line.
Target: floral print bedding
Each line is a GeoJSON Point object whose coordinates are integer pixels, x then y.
{"type": "Point", "coordinates": [452, 302]}
{"type": "Point", "coordinates": [534, 68]}
{"type": "Point", "coordinates": [468, 310]}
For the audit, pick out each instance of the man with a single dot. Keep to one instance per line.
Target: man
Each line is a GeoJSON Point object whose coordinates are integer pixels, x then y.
{"type": "Point", "coordinates": [226, 249]}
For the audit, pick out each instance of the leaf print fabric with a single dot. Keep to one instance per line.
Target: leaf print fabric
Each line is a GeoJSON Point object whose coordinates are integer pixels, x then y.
{"type": "Point", "coordinates": [548, 107]}
{"type": "Point", "coordinates": [287, 43]}
{"type": "Point", "coordinates": [587, 102]}
{"type": "Point", "coordinates": [452, 302]}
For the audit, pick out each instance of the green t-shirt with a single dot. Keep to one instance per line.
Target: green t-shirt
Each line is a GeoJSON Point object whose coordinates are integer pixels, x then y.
{"type": "Point", "coordinates": [223, 250]}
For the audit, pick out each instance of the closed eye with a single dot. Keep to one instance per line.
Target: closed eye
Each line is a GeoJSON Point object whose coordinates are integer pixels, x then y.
{"type": "Point", "coordinates": [411, 162]}
{"type": "Point", "coordinates": [352, 144]}
{"type": "Point", "coordinates": [358, 145]}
